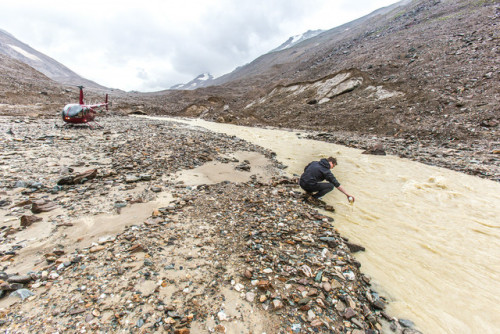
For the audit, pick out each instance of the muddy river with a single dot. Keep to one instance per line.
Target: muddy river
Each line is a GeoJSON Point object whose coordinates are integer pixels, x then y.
{"type": "Point", "coordinates": [432, 235]}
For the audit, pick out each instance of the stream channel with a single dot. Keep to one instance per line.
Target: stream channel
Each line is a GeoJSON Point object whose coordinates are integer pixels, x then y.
{"type": "Point", "coordinates": [432, 235]}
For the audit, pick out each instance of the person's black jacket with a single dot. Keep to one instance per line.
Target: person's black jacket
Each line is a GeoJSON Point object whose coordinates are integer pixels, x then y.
{"type": "Point", "coordinates": [318, 171]}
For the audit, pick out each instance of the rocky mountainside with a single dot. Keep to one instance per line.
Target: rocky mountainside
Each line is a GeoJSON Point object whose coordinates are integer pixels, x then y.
{"type": "Point", "coordinates": [15, 49]}
{"type": "Point", "coordinates": [24, 90]}
{"type": "Point", "coordinates": [419, 74]}
{"type": "Point", "coordinates": [426, 68]}
{"type": "Point", "coordinates": [303, 50]}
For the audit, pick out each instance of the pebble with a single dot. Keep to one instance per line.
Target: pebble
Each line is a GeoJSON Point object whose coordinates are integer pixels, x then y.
{"type": "Point", "coordinates": [22, 293]}
{"type": "Point", "coordinates": [277, 304]}
{"type": "Point", "coordinates": [406, 323]}
{"type": "Point", "coordinates": [222, 316]}
{"type": "Point", "coordinates": [23, 279]}
{"type": "Point", "coordinates": [349, 313]}
{"type": "Point", "coordinates": [29, 220]}
{"type": "Point", "coordinates": [349, 275]}
{"type": "Point", "coordinates": [250, 296]}
{"type": "Point", "coordinates": [379, 304]}
{"type": "Point", "coordinates": [96, 249]}
{"type": "Point", "coordinates": [310, 315]}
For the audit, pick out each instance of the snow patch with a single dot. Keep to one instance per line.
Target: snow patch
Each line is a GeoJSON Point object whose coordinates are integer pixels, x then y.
{"type": "Point", "coordinates": [24, 52]}
{"type": "Point", "coordinates": [296, 38]}
{"type": "Point", "coordinates": [204, 76]}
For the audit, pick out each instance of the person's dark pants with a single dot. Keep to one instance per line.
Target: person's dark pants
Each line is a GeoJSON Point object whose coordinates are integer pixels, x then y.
{"type": "Point", "coordinates": [318, 190]}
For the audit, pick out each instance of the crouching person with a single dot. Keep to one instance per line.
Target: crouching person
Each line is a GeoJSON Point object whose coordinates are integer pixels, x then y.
{"type": "Point", "coordinates": [318, 171]}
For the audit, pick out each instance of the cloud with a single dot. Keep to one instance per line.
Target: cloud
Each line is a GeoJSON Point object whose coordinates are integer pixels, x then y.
{"type": "Point", "coordinates": [152, 45]}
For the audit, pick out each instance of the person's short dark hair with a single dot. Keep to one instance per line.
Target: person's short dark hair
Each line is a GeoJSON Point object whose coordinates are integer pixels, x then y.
{"type": "Point", "coordinates": [332, 160]}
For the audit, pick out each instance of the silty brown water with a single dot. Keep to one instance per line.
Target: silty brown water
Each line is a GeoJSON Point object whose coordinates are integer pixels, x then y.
{"type": "Point", "coordinates": [432, 235]}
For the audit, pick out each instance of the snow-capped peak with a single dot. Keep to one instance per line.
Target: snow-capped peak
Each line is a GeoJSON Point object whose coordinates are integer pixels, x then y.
{"type": "Point", "coordinates": [297, 39]}
{"type": "Point", "coordinates": [201, 80]}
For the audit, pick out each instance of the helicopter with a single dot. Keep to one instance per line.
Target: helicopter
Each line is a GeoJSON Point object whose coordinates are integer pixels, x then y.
{"type": "Point", "coordinates": [82, 113]}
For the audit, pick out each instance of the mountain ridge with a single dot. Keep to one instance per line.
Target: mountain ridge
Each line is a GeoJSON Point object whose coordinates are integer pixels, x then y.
{"type": "Point", "coordinates": [202, 80]}
{"type": "Point", "coordinates": [294, 40]}
{"type": "Point", "coordinates": [12, 47]}
{"type": "Point", "coordinates": [206, 79]}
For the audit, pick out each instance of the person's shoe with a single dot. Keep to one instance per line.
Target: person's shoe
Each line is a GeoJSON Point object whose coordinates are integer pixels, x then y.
{"type": "Point", "coordinates": [313, 200]}
{"type": "Point", "coordinates": [329, 208]}
{"type": "Point", "coordinates": [319, 199]}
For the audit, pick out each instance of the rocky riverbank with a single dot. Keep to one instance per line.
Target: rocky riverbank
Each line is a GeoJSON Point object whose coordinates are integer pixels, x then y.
{"type": "Point", "coordinates": [478, 157]}
{"type": "Point", "coordinates": [152, 226]}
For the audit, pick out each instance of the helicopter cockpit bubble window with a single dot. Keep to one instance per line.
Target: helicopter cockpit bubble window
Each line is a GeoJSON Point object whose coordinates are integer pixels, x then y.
{"type": "Point", "coordinates": [72, 110]}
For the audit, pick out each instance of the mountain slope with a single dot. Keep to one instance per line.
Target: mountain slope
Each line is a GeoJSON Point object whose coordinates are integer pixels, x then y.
{"type": "Point", "coordinates": [25, 91]}
{"type": "Point", "coordinates": [421, 76]}
{"type": "Point", "coordinates": [302, 52]}
{"type": "Point", "coordinates": [15, 49]}
{"type": "Point", "coordinates": [424, 68]}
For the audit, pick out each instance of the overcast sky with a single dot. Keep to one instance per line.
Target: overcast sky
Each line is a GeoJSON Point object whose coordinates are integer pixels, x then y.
{"type": "Point", "coordinates": [151, 45]}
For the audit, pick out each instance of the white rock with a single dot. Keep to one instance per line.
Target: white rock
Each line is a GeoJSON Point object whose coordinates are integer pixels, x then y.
{"type": "Point", "coordinates": [108, 238]}
{"type": "Point", "coordinates": [250, 297]}
{"type": "Point", "coordinates": [349, 275]}
{"type": "Point", "coordinates": [310, 315]}
{"type": "Point", "coordinates": [53, 276]}
{"type": "Point", "coordinates": [222, 316]}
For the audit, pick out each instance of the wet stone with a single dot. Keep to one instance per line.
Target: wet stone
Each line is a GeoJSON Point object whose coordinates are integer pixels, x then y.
{"type": "Point", "coordinates": [304, 301]}
{"type": "Point", "coordinates": [355, 248]}
{"type": "Point", "coordinates": [379, 304]}
{"type": "Point", "coordinates": [29, 220]}
{"type": "Point", "coordinates": [23, 279]}
{"type": "Point", "coordinates": [40, 206]}
{"type": "Point", "coordinates": [406, 323]}
{"type": "Point", "coordinates": [411, 331]}
{"type": "Point", "coordinates": [277, 304]}
{"type": "Point", "coordinates": [357, 322]}
{"type": "Point", "coordinates": [349, 313]}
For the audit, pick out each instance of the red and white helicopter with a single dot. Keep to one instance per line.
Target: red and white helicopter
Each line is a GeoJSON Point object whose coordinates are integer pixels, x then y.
{"type": "Point", "coordinates": [82, 113]}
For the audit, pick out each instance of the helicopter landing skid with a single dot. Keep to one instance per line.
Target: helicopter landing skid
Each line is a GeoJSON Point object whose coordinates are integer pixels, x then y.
{"type": "Point", "coordinates": [87, 124]}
